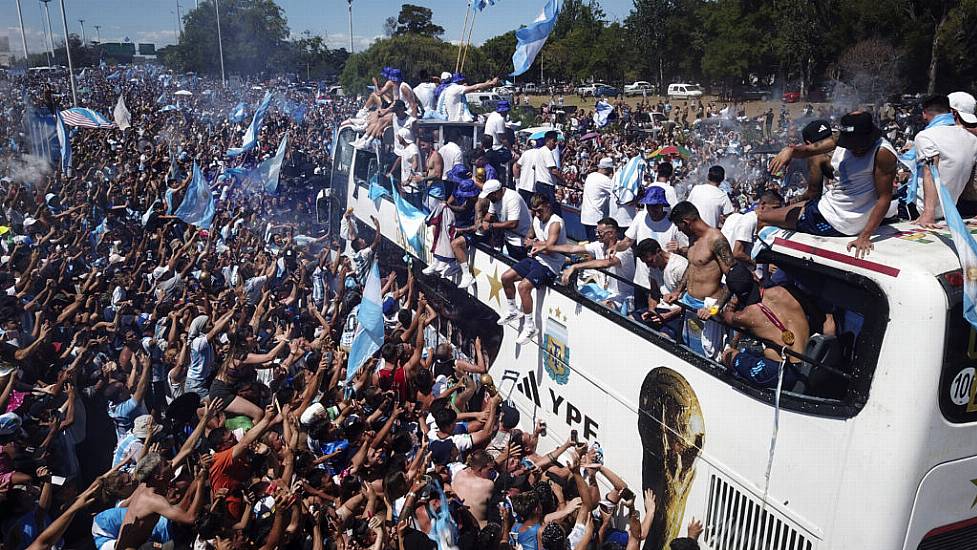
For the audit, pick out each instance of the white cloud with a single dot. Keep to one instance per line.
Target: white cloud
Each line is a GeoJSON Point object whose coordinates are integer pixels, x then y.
{"type": "Point", "coordinates": [36, 40]}
{"type": "Point", "coordinates": [341, 40]}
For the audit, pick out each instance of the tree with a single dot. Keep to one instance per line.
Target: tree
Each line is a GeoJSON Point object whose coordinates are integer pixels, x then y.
{"type": "Point", "coordinates": [390, 26]}
{"type": "Point", "coordinates": [81, 56]}
{"type": "Point", "coordinates": [411, 53]}
{"type": "Point", "coordinates": [645, 26]}
{"type": "Point", "coordinates": [416, 20]}
{"type": "Point", "coordinates": [870, 69]}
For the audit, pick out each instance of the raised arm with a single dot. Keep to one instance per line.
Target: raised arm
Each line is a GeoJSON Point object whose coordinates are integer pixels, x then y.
{"type": "Point", "coordinates": [884, 174]}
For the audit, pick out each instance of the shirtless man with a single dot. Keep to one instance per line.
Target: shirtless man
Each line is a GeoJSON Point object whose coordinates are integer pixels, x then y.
{"type": "Point", "coordinates": [783, 315]}
{"type": "Point", "coordinates": [710, 257]}
{"type": "Point", "coordinates": [148, 502]}
{"type": "Point", "coordinates": [474, 485]}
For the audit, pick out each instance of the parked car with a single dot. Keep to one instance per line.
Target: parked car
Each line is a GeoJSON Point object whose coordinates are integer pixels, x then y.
{"type": "Point", "coordinates": [591, 89]}
{"type": "Point", "coordinates": [640, 87]}
{"type": "Point", "coordinates": [530, 88]}
{"type": "Point", "coordinates": [792, 95]}
{"type": "Point", "coordinates": [479, 99]}
{"type": "Point", "coordinates": [750, 93]}
{"type": "Point", "coordinates": [682, 90]}
{"type": "Point", "coordinates": [606, 91]}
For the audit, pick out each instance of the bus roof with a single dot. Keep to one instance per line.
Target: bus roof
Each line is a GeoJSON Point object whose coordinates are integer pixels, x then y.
{"type": "Point", "coordinates": [897, 247]}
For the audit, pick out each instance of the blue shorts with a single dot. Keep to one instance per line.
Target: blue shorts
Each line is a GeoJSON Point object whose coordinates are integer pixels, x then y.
{"type": "Point", "coordinates": [534, 272]}
{"type": "Point", "coordinates": [812, 222]}
{"type": "Point", "coordinates": [762, 370]}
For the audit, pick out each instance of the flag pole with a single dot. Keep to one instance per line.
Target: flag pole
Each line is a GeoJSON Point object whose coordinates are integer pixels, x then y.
{"type": "Point", "coordinates": [468, 43]}
{"type": "Point", "coordinates": [461, 43]}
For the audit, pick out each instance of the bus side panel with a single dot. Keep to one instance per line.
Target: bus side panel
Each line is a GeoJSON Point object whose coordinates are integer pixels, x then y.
{"type": "Point", "coordinates": [944, 513]}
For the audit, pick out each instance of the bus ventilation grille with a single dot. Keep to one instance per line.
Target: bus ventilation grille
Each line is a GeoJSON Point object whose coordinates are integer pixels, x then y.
{"type": "Point", "coordinates": [958, 539]}
{"type": "Point", "coordinates": [735, 521]}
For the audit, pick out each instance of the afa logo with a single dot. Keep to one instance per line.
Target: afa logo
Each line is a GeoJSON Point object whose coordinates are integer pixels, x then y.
{"type": "Point", "coordinates": [554, 353]}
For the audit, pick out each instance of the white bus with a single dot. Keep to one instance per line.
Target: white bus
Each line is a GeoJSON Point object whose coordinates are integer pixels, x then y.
{"type": "Point", "coordinates": [877, 450]}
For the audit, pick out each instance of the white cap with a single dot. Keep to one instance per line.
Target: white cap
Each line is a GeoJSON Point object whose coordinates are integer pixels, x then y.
{"type": "Point", "coordinates": [491, 186]}
{"type": "Point", "coordinates": [29, 221]}
{"type": "Point", "coordinates": [312, 412]}
{"type": "Point", "coordinates": [964, 104]}
{"type": "Point", "coordinates": [406, 135]}
{"type": "Point", "coordinates": [606, 162]}
{"type": "Point", "coordinates": [446, 76]}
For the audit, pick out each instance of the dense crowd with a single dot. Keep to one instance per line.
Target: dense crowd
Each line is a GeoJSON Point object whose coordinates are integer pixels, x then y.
{"type": "Point", "coordinates": [163, 384]}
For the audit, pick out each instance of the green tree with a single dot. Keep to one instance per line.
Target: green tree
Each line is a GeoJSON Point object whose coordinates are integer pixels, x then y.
{"type": "Point", "coordinates": [650, 36]}
{"type": "Point", "coordinates": [416, 20]}
{"type": "Point", "coordinates": [80, 56]}
{"type": "Point", "coordinates": [410, 53]}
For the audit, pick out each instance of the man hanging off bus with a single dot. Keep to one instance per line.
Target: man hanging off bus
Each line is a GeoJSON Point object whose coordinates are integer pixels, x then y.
{"type": "Point", "coordinates": [710, 257]}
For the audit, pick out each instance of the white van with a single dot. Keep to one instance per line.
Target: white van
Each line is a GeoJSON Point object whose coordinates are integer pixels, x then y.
{"type": "Point", "coordinates": [684, 90]}
{"type": "Point", "coordinates": [477, 99]}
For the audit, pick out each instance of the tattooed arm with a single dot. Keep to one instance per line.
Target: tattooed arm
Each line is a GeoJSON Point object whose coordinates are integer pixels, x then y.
{"type": "Point", "coordinates": [723, 253]}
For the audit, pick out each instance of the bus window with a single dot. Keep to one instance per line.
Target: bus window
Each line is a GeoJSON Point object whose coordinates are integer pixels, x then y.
{"type": "Point", "coordinates": [344, 157]}
{"type": "Point", "coordinates": [958, 389]}
{"type": "Point", "coordinates": [367, 166]}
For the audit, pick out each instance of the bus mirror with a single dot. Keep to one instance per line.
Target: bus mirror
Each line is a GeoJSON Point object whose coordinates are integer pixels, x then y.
{"type": "Point", "coordinates": [322, 204]}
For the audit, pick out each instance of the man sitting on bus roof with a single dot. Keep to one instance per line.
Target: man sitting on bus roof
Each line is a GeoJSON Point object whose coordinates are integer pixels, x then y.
{"type": "Point", "coordinates": [781, 315]}
{"type": "Point", "coordinates": [534, 272]}
{"type": "Point", "coordinates": [665, 270]}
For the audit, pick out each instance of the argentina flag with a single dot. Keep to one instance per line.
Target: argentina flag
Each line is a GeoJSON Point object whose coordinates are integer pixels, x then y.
{"type": "Point", "coordinates": [265, 177]}
{"type": "Point", "coordinates": [480, 5]}
{"type": "Point", "coordinates": [412, 223]}
{"type": "Point", "coordinates": [530, 40]}
{"type": "Point", "coordinates": [198, 206]}
{"type": "Point", "coordinates": [369, 329]}
{"type": "Point", "coordinates": [627, 181]}
{"type": "Point", "coordinates": [64, 140]}
{"type": "Point", "coordinates": [237, 115]}
{"type": "Point", "coordinates": [602, 113]}
{"type": "Point", "coordinates": [251, 136]}
{"type": "Point", "coordinates": [966, 247]}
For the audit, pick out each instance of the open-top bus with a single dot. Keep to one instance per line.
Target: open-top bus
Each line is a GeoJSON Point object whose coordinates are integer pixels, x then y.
{"type": "Point", "coordinates": [875, 450]}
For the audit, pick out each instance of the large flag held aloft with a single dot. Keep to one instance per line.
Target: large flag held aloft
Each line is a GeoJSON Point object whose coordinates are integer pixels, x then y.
{"type": "Point", "coordinates": [121, 114]}
{"type": "Point", "coordinates": [368, 336]}
{"type": "Point", "coordinates": [86, 118]}
{"type": "Point", "coordinates": [530, 40]}
{"type": "Point", "coordinates": [264, 178]}
{"type": "Point", "coordinates": [251, 136]}
{"type": "Point", "coordinates": [64, 140]}
{"type": "Point", "coordinates": [198, 206]}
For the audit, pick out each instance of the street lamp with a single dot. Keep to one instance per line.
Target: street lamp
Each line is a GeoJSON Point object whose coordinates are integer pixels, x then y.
{"type": "Point", "coordinates": [350, 3]}
{"type": "Point", "coordinates": [67, 51]}
{"type": "Point", "coordinates": [23, 35]}
{"type": "Point", "coordinates": [50, 30]}
{"type": "Point", "coordinates": [84, 38]}
{"type": "Point", "coordinates": [98, 33]}
{"type": "Point", "coordinates": [220, 42]}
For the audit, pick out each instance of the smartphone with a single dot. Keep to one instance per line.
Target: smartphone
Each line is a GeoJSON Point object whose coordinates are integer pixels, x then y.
{"type": "Point", "coordinates": [573, 436]}
{"type": "Point", "coordinates": [57, 480]}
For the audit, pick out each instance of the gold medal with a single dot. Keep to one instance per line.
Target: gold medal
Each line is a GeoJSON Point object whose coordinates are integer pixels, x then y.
{"type": "Point", "coordinates": [788, 337]}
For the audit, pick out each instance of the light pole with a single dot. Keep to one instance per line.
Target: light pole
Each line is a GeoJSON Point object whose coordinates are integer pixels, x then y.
{"type": "Point", "coordinates": [98, 33]}
{"type": "Point", "coordinates": [84, 38]}
{"type": "Point", "coordinates": [67, 51]}
{"type": "Point", "coordinates": [220, 42]}
{"type": "Point", "coordinates": [179, 17]}
{"type": "Point", "coordinates": [50, 31]}
{"type": "Point", "coordinates": [23, 35]}
{"type": "Point", "coordinates": [350, 4]}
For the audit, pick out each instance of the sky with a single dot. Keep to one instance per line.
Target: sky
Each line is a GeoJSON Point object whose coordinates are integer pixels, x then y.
{"type": "Point", "coordinates": [156, 20]}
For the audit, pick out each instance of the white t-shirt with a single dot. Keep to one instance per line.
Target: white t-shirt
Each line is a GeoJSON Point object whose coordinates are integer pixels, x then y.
{"type": "Point", "coordinates": [552, 260]}
{"type": "Point", "coordinates": [544, 161]}
{"type": "Point", "coordinates": [625, 271]}
{"type": "Point", "coordinates": [451, 155]}
{"type": "Point", "coordinates": [644, 227]}
{"type": "Point", "coordinates": [463, 442]}
{"type": "Point", "coordinates": [495, 127]}
{"type": "Point", "coordinates": [454, 103]}
{"type": "Point", "coordinates": [597, 191]}
{"type": "Point", "coordinates": [406, 122]}
{"type": "Point", "coordinates": [409, 154]}
{"type": "Point", "coordinates": [527, 170]}
{"type": "Point", "coordinates": [847, 203]}
{"type": "Point", "coordinates": [740, 227]}
{"type": "Point", "coordinates": [957, 149]}
{"type": "Point", "coordinates": [669, 278]}
{"type": "Point", "coordinates": [512, 207]}
{"type": "Point", "coordinates": [424, 92]}
{"type": "Point", "coordinates": [711, 202]}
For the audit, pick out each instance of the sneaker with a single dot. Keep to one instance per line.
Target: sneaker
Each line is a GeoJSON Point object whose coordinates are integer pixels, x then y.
{"type": "Point", "coordinates": [526, 336]}
{"type": "Point", "coordinates": [450, 270]}
{"type": "Point", "coordinates": [467, 280]}
{"type": "Point", "coordinates": [510, 317]}
{"type": "Point", "coordinates": [433, 268]}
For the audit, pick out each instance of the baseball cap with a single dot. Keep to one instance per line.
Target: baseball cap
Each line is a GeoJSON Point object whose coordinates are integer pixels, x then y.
{"type": "Point", "coordinates": [816, 130]}
{"type": "Point", "coordinates": [503, 106]}
{"type": "Point", "coordinates": [606, 162]}
{"type": "Point", "coordinates": [399, 104]}
{"type": "Point", "coordinates": [510, 416]}
{"type": "Point", "coordinates": [311, 413]}
{"type": "Point", "coordinates": [406, 135]}
{"type": "Point", "coordinates": [858, 131]}
{"type": "Point", "coordinates": [964, 104]}
{"type": "Point", "coordinates": [10, 426]}
{"type": "Point", "coordinates": [491, 186]}
{"type": "Point", "coordinates": [446, 76]}
{"type": "Point", "coordinates": [740, 282]}
{"type": "Point", "coordinates": [654, 195]}
{"type": "Point", "coordinates": [441, 451]}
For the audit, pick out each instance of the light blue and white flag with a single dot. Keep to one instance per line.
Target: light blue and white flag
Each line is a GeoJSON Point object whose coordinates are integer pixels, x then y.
{"type": "Point", "coordinates": [114, 76]}
{"type": "Point", "coordinates": [123, 119]}
{"type": "Point", "coordinates": [85, 118]}
{"type": "Point", "coordinates": [627, 181]}
{"type": "Point", "coordinates": [411, 221]}
{"type": "Point", "coordinates": [602, 112]}
{"type": "Point", "coordinates": [198, 206]}
{"type": "Point", "coordinates": [966, 247]}
{"type": "Point", "coordinates": [64, 140]}
{"type": "Point", "coordinates": [369, 329]}
{"type": "Point", "coordinates": [264, 178]}
{"type": "Point", "coordinates": [910, 161]}
{"type": "Point", "coordinates": [480, 5]}
{"type": "Point", "coordinates": [530, 40]}
{"type": "Point", "coordinates": [238, 113]}
{"type": "Point", "coordinates": [251, 136]}
{"type": "Point", "coordinates": [168, 108]}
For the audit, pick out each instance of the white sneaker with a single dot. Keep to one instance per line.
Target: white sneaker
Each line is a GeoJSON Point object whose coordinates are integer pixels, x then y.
{"type": "Point", "coordinates": [434, 267]}
{"type": "Point", "coordinates": [467, 280]}
{"type": "Point", "coordinates": [528, 333]}
{"type": "Point", "coordinates": [450, 270]}
{"type": "Point", "coordinates": [510, 317]}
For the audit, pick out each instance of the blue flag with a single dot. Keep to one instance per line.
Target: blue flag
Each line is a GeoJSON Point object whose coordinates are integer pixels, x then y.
{"type": "Point", "coordinates": [42, 133]}
{"type": "Point", "coordinates": [238, 113]}
{"type": "Point", "coordinates": [602, 112]}
{"type": "Point", "coordinates": [627, 181]}
{"type": "Point", "coordinates": [64, 140]}
{"type": "Point", "coordinates": [411, 221]}
{"type": "Point", "coordinates": [369, 329]}
{"type": "Point", "coordinates": [530, 40]}
{"type": "Point", "coordinates": [909, 158]}
{"type": "Point", "coordinates": [264, 178]}
{"type": "Point", "coordinates": [963, 241]}
{"type": "Point", "coordinates": [482, 4]}
{"type": "Point", "coordinates": [198, 206]}
{"type": "Point", "coordinates": [251, 136]}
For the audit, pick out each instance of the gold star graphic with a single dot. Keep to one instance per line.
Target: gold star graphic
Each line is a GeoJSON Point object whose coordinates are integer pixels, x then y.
{"type": "Point", "coordinates": [974, 503]}
{"type": "Point", "coordinates": [557, 312]}
{"type": "Point", "coordinates": [476, 272]}
{"type": "Point", "coordinates": [495, 286]}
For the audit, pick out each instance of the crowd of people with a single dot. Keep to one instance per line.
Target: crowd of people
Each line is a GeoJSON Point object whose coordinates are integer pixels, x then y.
{"type": "Point", "coordinates": [169, 385]}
